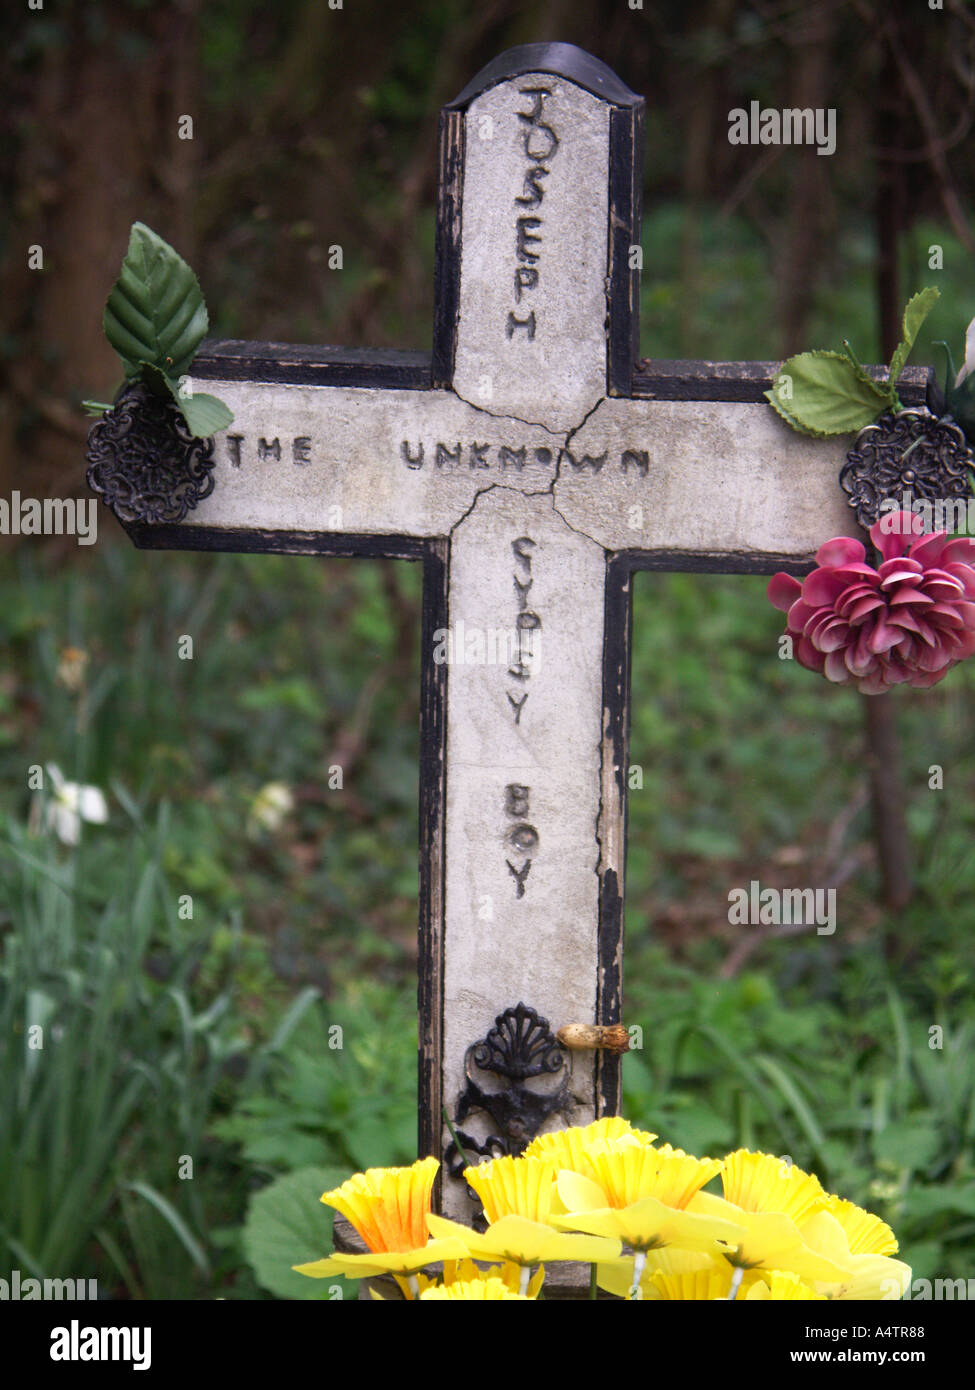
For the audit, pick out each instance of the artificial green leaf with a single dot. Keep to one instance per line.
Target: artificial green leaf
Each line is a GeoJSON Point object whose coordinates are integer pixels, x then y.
{"type": "Point", "coordinates": [858, 367]}
{"type": "Point", "coordinates": [288, 1225]}
{"type": "Point", "coordinates": [782, 409]}
{"type": "Point", "coordinates": [828, 395]}
{"type": "Point", "coordinates": [204, 414]}
{"type": "Point", "coordinates": [157, 381]}
{"type": "Point", "coordinates": [917, 309]}
{"type": "Point", "coordinates": [155, 312]}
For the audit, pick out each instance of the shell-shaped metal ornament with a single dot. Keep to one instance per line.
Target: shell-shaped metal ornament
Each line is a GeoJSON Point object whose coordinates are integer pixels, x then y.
{"type": "Point", "coordinates": [144, 463]}
{"type": "Point", "coordinates": [905, 458]}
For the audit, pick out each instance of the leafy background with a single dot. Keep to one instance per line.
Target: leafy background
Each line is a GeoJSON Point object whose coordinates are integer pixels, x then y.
{"type": "Point", "coordinates": [208, 1039]}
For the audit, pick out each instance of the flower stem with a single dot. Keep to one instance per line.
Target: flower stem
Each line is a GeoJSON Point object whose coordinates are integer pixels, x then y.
{"type": "Point", "coordinates": [414, 1284]}
{"type": "Point", "coordinates": [526, 1277]}
{"type": "Point", "coordinates": [453, 1134]}
{"type": "Point", "coordinates": [736, 1279]}
{"type": "Point", "coordinates": [639, 1260]}
{"type": "Point", "coordinates": [592, 1281]}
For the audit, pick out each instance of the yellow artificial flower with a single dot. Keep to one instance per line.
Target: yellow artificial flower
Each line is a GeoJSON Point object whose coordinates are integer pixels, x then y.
{"type": "Point", "coordinates": [779, 1285]}
{"type": "Point", "coordinates": [463, 1271]}
{"type": "Point", "coordinates": [660, 1184]}
{"type": "Point", "coordinates": [645, 1225]}
{"type": "Point", "coordinates": [466, 1271]}
{"type": "Point", "coordinates": [483, 1289]}
{"type": "Point", "coordinates": [766, 1240]}
{"type": "Point", "coordinates": [702, 1285]}
{"type": "Point", "coordinates": [762, 1182]}
{"type": "Point", "coordinates": [616, 1276]}
{"type": "Point", "coordinates": [566, 1146]}
{"type": "Point", "coordinates": [866, 1234]}
{"type": "Point", "coordinates": [523, 1242]}
{"type": "Point", "coordinates": [388, 1207]}
{"type": "Point", "coordinates": [514, 1187]}
{"type": "Point", "coordinates": [627, 1170]}
{"type": "Point", "coordinates": [508, 1272]}
{"type": "Point", "coordinates": [862, 1276]}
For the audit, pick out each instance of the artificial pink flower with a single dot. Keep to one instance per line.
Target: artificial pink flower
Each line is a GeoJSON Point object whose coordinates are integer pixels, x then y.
{"type": "Point", "coordinates": [907, 622]}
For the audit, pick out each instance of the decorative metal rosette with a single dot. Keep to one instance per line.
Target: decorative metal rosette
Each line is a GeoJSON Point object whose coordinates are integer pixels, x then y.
{"type": "Point", "coordinates": [520, 1044]}
{"type": "Point", "coordinates": [911, 452]}
{"type": "Point", "coordinates": [519, 1048]}
{"type": "Point", "coordinates": [144, 463]}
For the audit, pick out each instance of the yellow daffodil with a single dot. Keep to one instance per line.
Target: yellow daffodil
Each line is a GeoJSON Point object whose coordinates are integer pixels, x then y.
{"type": "Point", "coordinates": [647, 1225]}
{"type": "Point", "coordinates": [514, 1187]}
{"type": "Point", "coordinates": [777, 1284]}
{"type": "Point", "coordinates": [766, 1240]}
{"type": "Point", "coordinates": [523, 1242]}
{"type": "Point", "coordinates": [388, 1207]}
{"type": "Point", "coordinates": [640, 1196]}
{"type": "Point", "coordinates": [566, 1146]}
{"type": "Point", "coordinates": [463, 1271]}
{"type": "Point", "coordinates": [863, 1276]}
{"type": "Point", "coordinates": [509, 1273]}
{"type": "Point", "coordinates": [483, 1289]}
{"type": "Point", "coordinates": [627, 1170]}
{"type": "Point", "coordinates": [866, 1234]}
{"type": "Point", "coordinates": [762, 1182]}
{"type": "Point", "coordinates": [703, 1285]}
{"type": "Point", "coordinates": [659, 1184]}
{"type": "Point", "coordinates": [616, 1276]}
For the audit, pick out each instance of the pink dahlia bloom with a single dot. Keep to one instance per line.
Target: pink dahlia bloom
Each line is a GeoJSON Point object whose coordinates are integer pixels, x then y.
{"type": "Point", "coordinates": [907, 622]}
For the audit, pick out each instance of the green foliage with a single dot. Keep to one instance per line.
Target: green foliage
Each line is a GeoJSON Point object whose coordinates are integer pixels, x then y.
{"type": "Point", "coordinates": [103, 1068]}
{"type": "Point", "coordinates": [155, 315]}
{"type": "Point", "coordinates": [916, 311]}
{"type": "Point", "coordinates": [822, 393]}
{"type": "Point", "coordinates": [958, 397]}
{"type": "Point", "coordinates": [155, 319]}
{"type": "Point", "coordinates": [340, 1091]}
{"type": "Point", "coordinates": [288, 1225]}
{"type": "Point", "coordinates": [848, 1087]}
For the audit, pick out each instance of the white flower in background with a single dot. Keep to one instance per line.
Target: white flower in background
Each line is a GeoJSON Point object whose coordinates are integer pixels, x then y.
{"type": "Point", "coordinates": [70, 804]}
{"type": "Point", "coordinates": [969, 363]}
{"type": "Point", "coordinates": [270, 806]}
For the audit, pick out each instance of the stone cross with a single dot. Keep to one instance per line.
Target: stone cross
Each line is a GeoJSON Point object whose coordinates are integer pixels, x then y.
{"type": "Point", "coordinates": [531, 467]}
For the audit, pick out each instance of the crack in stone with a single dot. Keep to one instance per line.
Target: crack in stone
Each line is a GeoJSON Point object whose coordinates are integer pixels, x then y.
{"type": "Point", "coordinates": [558, 470]}
{"type": "Point", "coordinates": [474, 500]}
{"type": "Point", "coordinates": [548, 491]}
{"type": "Point", "coordinates": [506, 415]}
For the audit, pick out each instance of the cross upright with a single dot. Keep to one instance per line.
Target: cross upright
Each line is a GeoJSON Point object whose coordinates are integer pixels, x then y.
{"type": "Point", "coordinates": [532, 466]}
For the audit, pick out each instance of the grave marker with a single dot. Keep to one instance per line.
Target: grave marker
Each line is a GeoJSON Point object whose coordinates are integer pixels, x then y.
{"type": "Point", "coordinates": [532, 468]}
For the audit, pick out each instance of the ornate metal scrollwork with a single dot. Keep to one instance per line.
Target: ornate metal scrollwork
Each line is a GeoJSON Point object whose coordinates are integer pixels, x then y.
{"type": "Point", "coordinates": [520, 1047]}
{"type": "Point", "coordinates": [912, 451]}
{"type": "Point", "coordinates": [144, 463]}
